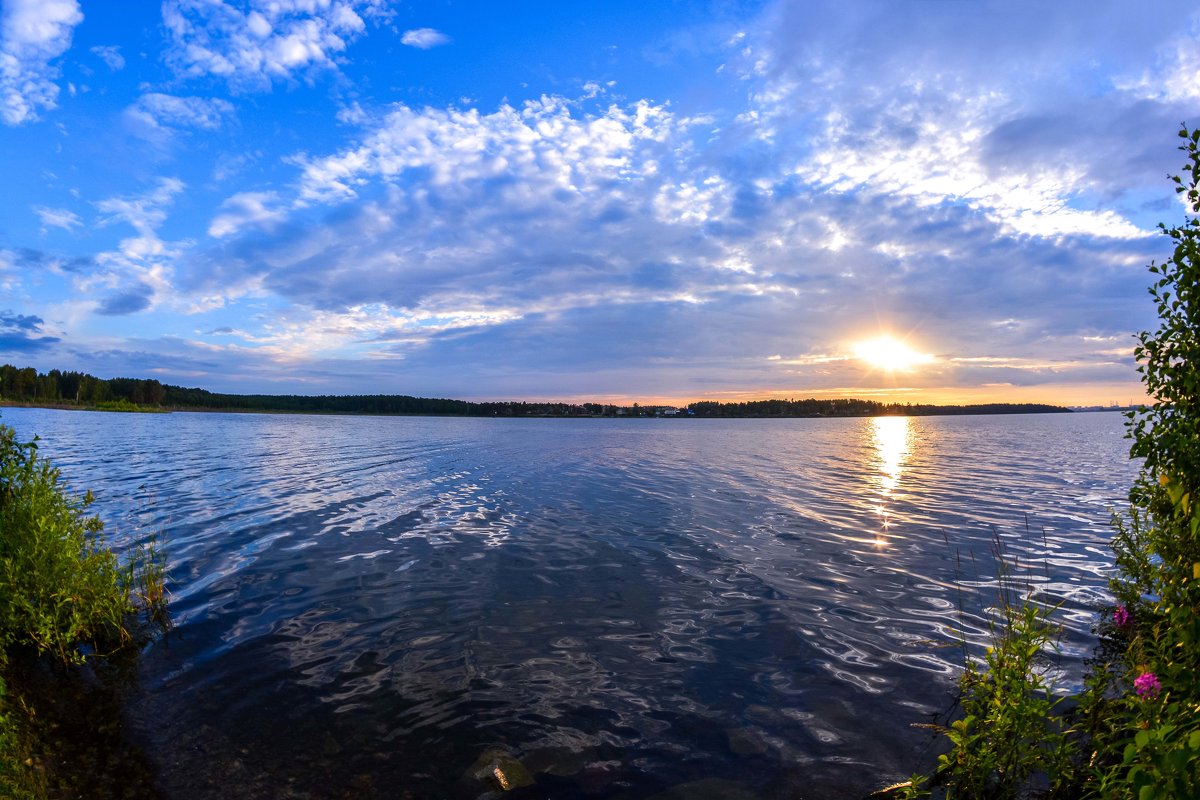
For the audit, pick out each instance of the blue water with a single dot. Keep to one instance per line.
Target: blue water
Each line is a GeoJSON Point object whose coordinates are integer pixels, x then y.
{"type": "Point", "coordinates": [374, 607]}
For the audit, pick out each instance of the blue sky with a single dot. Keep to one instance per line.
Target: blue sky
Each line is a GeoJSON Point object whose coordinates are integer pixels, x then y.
{"type": "Point", "coordinates": [631, 201]}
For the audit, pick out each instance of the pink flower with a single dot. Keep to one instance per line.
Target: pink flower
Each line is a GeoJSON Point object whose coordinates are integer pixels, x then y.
{"type": "Point", "coordinates": [1122, 617]}
{"type": "Point", "coordinates": [1147, 685]}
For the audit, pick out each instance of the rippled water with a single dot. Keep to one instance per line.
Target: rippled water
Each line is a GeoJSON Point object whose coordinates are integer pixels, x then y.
{"type": "Point", "coordinates": [366, 605]}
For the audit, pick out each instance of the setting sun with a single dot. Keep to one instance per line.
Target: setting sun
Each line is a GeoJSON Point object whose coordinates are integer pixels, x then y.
{"type": "Point", "coordinates": [886, 352]}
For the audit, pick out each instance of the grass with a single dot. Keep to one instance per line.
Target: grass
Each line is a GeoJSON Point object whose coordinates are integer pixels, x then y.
{"type": "Point", "coordinates": [66, 602]}
{"type": "Point", "coordinates": [125, 406]}
{"type": "Point", "coordinates": [121, 405]}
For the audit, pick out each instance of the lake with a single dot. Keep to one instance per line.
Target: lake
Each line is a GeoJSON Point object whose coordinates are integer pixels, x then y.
{"type": "Point", "coordinates": [391, 607]}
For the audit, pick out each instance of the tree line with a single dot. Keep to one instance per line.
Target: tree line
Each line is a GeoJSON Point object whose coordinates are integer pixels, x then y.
{"type": "Point", "coordinates": [56, 387]}
{"type": "Point", "coordinates": [27, 385]}
{"type": "Point", "coordinates": [849, 407]}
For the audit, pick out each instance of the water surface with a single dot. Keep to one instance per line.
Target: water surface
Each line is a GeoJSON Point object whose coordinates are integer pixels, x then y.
{"type": "Point", "coordinates": [369, 607]}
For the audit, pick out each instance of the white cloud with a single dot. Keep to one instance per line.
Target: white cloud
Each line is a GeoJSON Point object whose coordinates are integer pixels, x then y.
{"type": "Point", "coordinates": [138, 273]}
{"type": "Point", "coordinates": [912, 114]}
{"type": "Point", "coordinates": [230, 165]}
{"type": "Point", "coordinates": [155, 111]}
{"type": "Point", "coordinates": [274, 40]}
{"type": "Point", "coordinates": [459, 185]}
{"type": "Point", "coordinates": [32, 34]}
{"type": "Point", "coordinates": [1176, 75]}
{"type": "Point", "coordinates": [542, 142]}
{"type": "Point", "coordinates": [245, 209]}
{"type": "Point", "coordinates": [353, 114]}
{"type": "Point", "coordinates": [424, 38]}
{"type": "Point", "coordinates": [57, 218]}
{"type": "Point", "coordinates": [694, 201]}
{"type": "Point", "coordinates": [258, 25]}
{"type": "Point", "coordinates": [110, 55]}
{"type": "Point", "coordinates": [944, 164]}
{"type": "Point", "coordinates": [145, 212]}
{"type": "Point", "coordinates": [361, 330]}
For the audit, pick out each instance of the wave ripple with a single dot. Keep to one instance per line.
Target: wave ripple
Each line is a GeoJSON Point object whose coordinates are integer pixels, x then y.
{"type": "Point", "coordinates": [625, 604]}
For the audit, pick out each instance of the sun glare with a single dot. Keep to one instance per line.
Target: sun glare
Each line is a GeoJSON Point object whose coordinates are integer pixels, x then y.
{"type": "Point", "coordinates": [886, 352]}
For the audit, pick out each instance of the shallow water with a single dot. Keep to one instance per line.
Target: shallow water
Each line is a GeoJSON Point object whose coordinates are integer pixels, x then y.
{"type": "Point", "coordinates": [364, 606]}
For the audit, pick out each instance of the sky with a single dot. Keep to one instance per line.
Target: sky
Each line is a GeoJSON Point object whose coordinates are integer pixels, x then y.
{"type": "Point", "coordinates": [619, 201]}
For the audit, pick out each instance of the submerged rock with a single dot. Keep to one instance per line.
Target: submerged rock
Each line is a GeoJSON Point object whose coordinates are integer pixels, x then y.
{"type": "Point", "coordinates": [499, 769]}
{"type": "Point", "coordinates": [747, 742]}
{"type": "Point", "coordinates": [766, 715]}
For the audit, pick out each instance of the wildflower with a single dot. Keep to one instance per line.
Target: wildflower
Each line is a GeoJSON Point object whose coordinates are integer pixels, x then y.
{"type": "Point", "coordinates": [1147, 685]}
{"type": "Point", "coordinates": [1121, 617]}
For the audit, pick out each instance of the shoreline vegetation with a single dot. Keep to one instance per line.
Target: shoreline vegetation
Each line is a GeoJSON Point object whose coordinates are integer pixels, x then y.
{"type": "Point", "coordinates": [73, 616]}
{"type": "Point", "coordinates": [1134, 729]}
{"type": "Point", "coordinates": [26, 387]}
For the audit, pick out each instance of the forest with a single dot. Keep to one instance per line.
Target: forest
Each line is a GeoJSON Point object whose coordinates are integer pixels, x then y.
{"type": "Point", "coordinates": [77, 389]}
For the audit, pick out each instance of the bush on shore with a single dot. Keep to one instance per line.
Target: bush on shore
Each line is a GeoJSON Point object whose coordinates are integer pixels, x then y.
{"type": "Point", "coordinates": [1150, 695]}
{"type": "Point", "coordinates": [64, 596]}
{"type": "Point", "coordinates": [1136, 730]}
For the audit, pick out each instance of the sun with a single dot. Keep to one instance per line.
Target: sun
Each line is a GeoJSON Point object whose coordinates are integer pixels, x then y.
{"type": "Point", "coordinates": [889, 353]}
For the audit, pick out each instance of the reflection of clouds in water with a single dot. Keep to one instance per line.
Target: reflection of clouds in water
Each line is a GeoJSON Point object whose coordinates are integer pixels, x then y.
{"type": "Point", "coordinates": [464, 510]}
{"type": "Point", "coordinates": [464, 507]}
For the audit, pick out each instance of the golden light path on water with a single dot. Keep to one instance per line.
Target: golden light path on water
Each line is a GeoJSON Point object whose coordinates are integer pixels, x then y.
{"type": "Point", "coordinates": [892, 438]}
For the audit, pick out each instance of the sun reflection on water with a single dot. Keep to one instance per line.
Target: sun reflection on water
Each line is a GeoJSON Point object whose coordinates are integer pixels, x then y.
{"type": "Point", "coordinates": [891, 437]}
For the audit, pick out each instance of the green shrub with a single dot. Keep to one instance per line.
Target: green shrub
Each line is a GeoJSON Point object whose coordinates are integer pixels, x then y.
{"type": "Point", "coordinates": [63, 596]}
{"type": "Point", "coordinates": [1151, 748]}
{"type": "Point", "coordinates": [61, 590]}
{"type": "Point", "coordinates": [1137, 729]}
{"type": "Point", "coordinates": [1010, 736]}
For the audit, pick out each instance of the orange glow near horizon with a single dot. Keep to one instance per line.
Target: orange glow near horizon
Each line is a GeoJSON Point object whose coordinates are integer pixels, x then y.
{"type": "Point", "coordinates": [1060, 394]}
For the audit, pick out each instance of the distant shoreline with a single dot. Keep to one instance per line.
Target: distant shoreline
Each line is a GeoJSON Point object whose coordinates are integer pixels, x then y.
{"type": "Point", "coordinates": [941, 411]}
{"type": "Point", "coordinates": [26, 387]}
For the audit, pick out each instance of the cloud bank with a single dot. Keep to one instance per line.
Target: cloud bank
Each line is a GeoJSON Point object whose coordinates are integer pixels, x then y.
{"type": "Point", "coordinates": [983, 181]}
